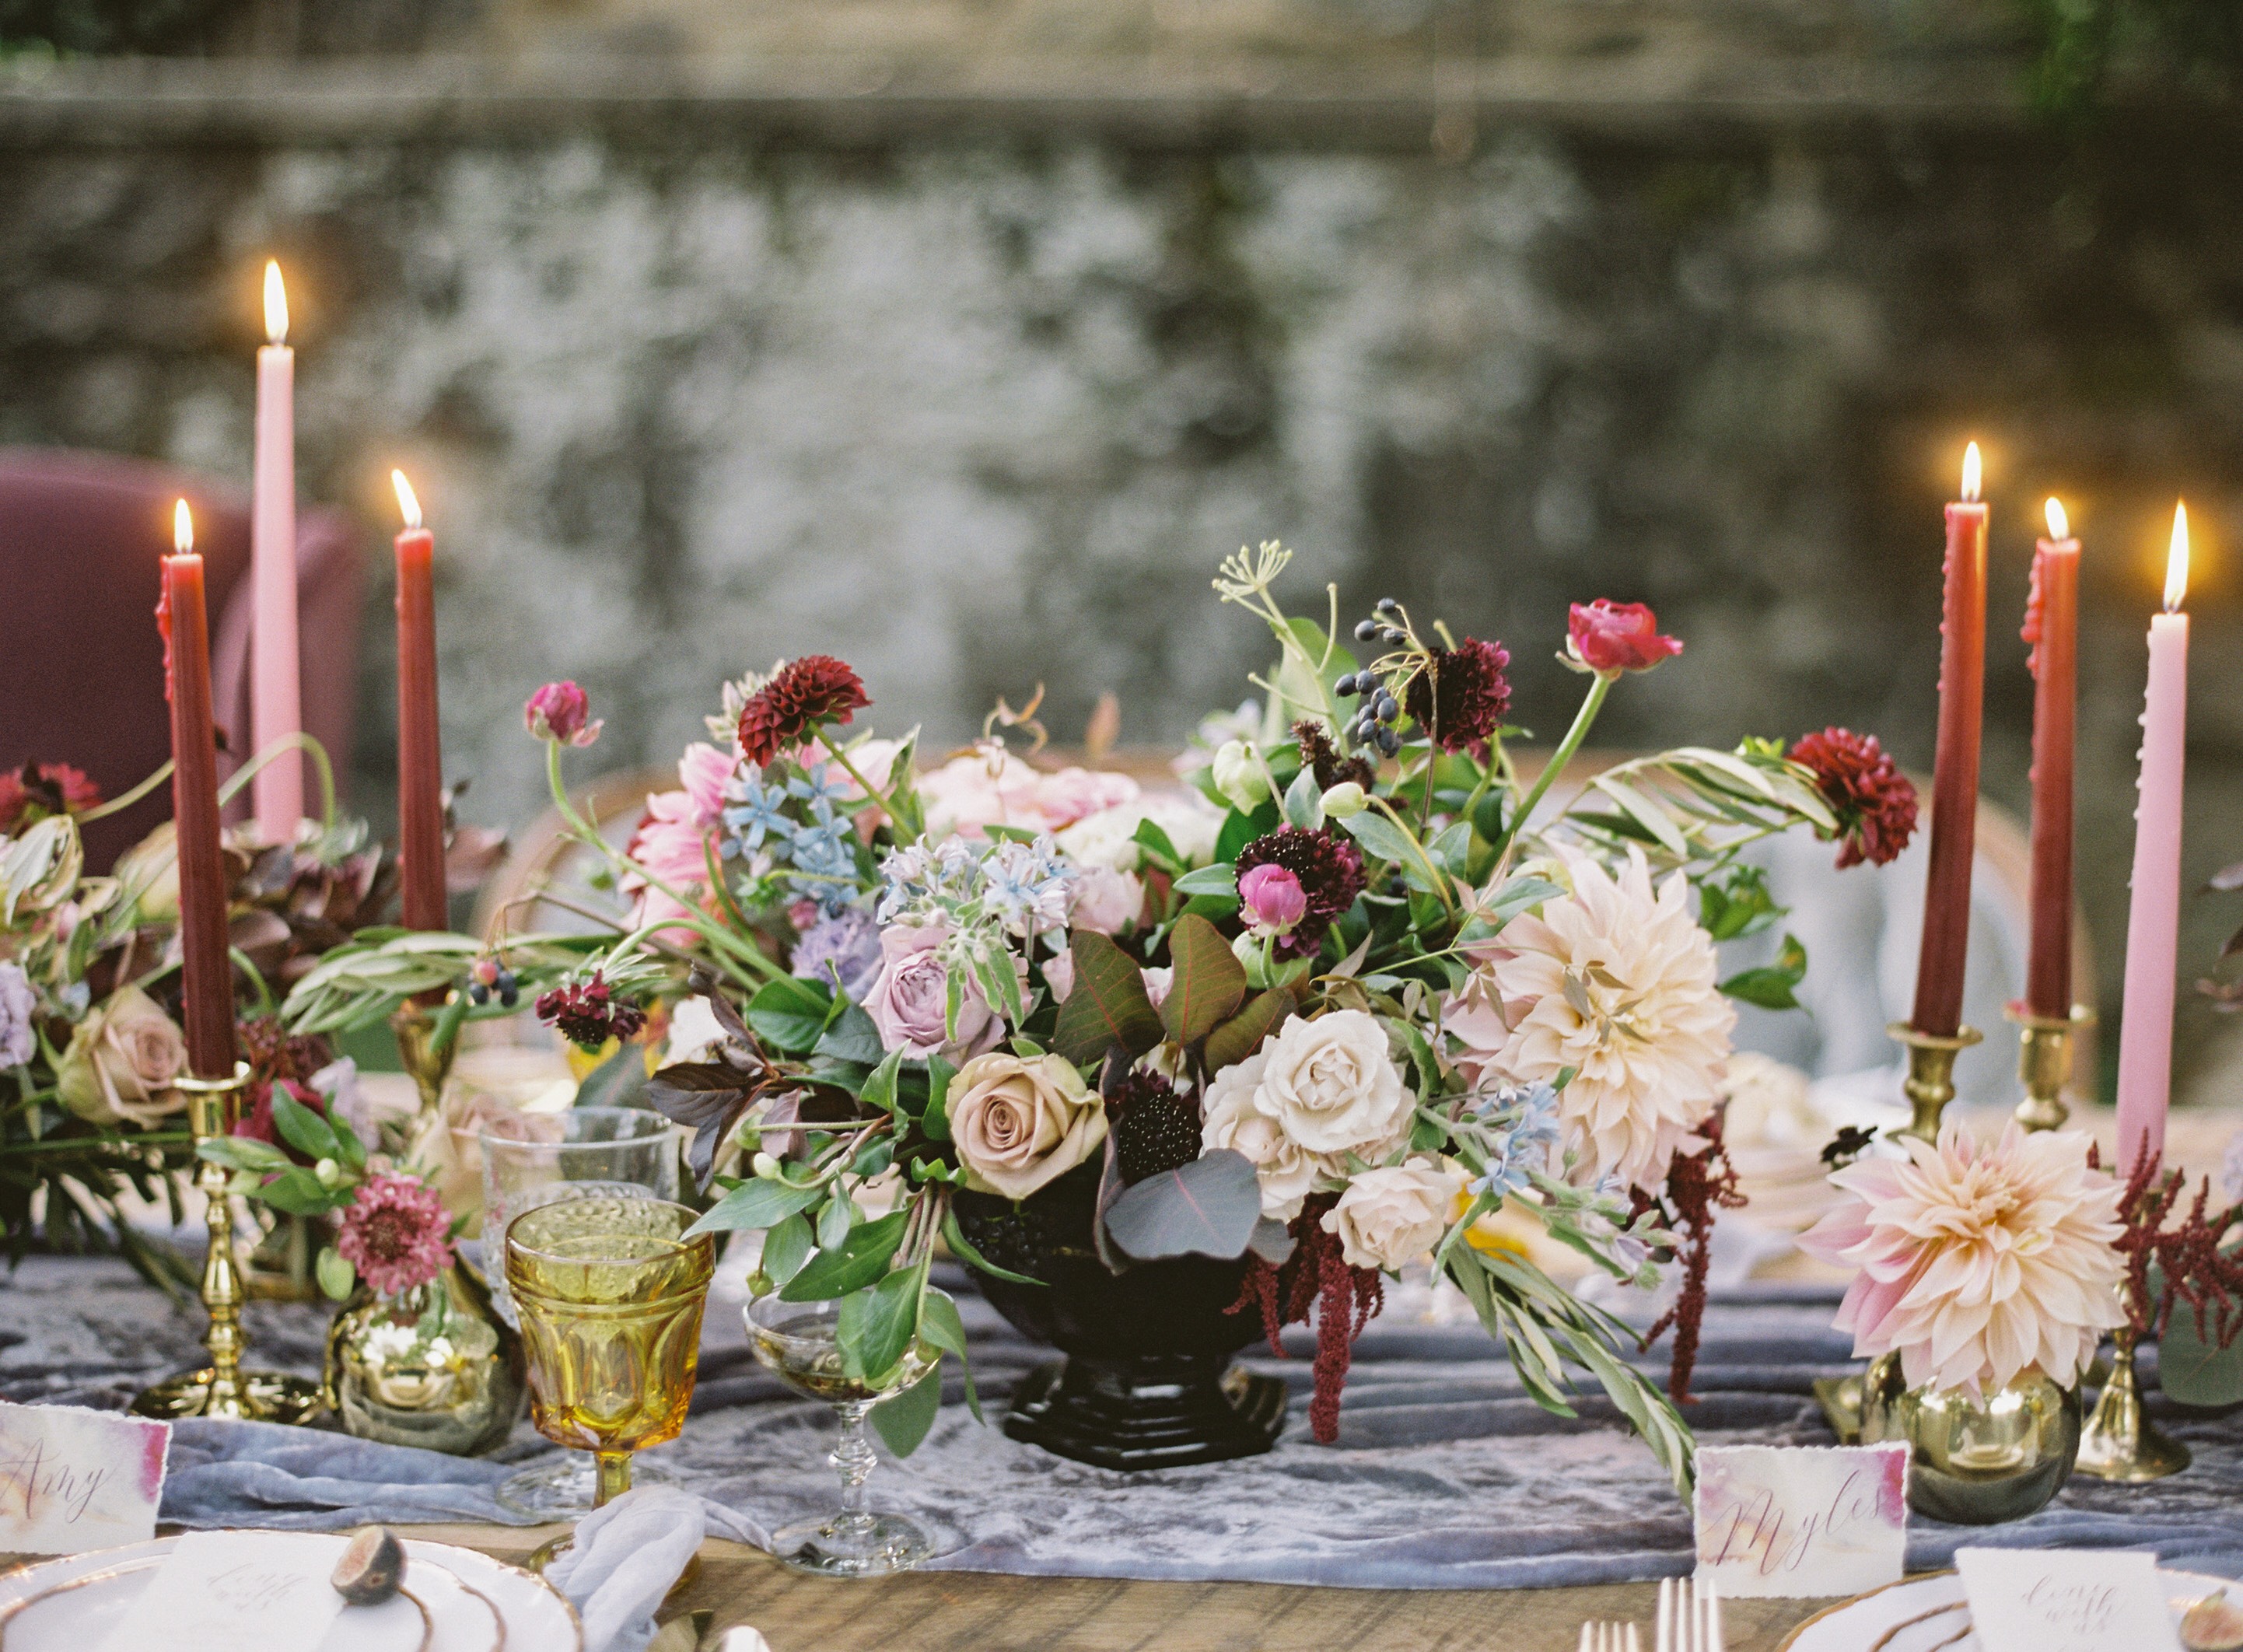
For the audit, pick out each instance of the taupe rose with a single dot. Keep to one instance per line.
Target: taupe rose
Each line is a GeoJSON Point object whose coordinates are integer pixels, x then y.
{"type": "Point", "coordinates": [123, 1061]}
{"type": "Point", "coordinates": [1019, 1123]}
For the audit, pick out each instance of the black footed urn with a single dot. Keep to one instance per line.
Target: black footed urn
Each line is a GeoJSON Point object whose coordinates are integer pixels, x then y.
{"type": "Point", "coordinates": [1148, 1380]}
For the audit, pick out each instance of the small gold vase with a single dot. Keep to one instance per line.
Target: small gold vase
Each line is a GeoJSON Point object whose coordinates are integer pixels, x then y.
{"type": "Point", "coordinates": [1976, 1462]}
{"type": "Point", "coordinates": [432, 1366]}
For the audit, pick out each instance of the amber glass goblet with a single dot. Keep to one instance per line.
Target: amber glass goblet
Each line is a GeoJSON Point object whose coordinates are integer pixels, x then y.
{"type": "Point", "coordinates": [610, 1292]}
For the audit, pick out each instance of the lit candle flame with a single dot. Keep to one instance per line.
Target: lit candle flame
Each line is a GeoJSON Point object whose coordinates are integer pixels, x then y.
{"type": "Point", "coordinates": [182, 529]}
{"type": "Point", "coordinates": [2177, 561]}
{"type": "Point", "coordinates": [405, 501]}
{"type": "Point", "coordinates": [2059, 525]}
{"type": "Point", "coordinates": [276, 304]}
{"type": "Point", "coordinates": [1970, 468]}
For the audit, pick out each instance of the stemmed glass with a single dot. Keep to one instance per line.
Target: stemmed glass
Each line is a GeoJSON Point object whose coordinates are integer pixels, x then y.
{"type": "Point", "coordinates": [531, 1159]}
{"type": "Point", "coordinates": [610, 1292]}
{"type": "Point", "coordinates": [796, 1340]}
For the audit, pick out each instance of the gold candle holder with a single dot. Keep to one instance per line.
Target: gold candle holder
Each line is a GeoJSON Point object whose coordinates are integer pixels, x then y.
{"type": "Point", "coordinates": [223, 1388]}
{"type": "Point", "coordinates": [2119, 1443]}
{"type": "Point", "coordinates": [2044, 1063]}
{"type": "Point", "coordinates": [1930, 1081]}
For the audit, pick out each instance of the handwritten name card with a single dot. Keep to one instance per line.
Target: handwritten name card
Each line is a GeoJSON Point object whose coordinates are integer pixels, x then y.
{"type": "Point", "coordinates": [1790, 1522]}
{"type": "Point", "coordinates": [73, 1480]}
{"type": "Point", "coordinates": [230, 1592]}
{"type": "Point", "coordinates": [2069, 1600]}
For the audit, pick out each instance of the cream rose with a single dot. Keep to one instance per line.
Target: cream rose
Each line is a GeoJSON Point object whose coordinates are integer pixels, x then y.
{"type": "Point", "coordinates": [1018, 1123]}
{"type": "Point", "coordinates": [122, 1062]}
{"type": "Point", "coordinates": [1330, 1086]}
{"type": "Point", "coordinates": [1286, 1172]}
{"type": "Point", "coordinates": [1391, 1216]}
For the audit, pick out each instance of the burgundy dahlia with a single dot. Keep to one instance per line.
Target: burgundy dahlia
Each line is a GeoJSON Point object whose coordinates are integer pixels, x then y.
{"type": "Point", "coordinates": [587, 1013]}
{"type": "Point", "coordinates": [1329, 869]}
{"type": "Point", "coordinates": [1461, 696]}
{"type": "Point", "coordinates": [1874, 801]}
{"type": "Point", "coordinates": [801, 695]}
{"type": "Point", "coordinates": [37, 790]}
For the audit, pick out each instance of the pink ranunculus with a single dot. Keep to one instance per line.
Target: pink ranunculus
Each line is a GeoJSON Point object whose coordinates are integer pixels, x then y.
{"type": "Point", "coordinates": [990, 786]}
{"type": "Point", "coordinates": [1271, 899]}
{"type": "Point", "coordinates": [703, 772]}
{"type": "Point", "coordinates": [1072, 794]}
{"type": "Point", "coordinates": [1611, 637]}
{"type": "Point", "coordinates": [673, 846]}
{"type": "Point", "coordinates": [561, 712]}
{"type": "Point", "coordinates": [1105, 900]}
{"type": "Point", "coordinates": [909, 999]}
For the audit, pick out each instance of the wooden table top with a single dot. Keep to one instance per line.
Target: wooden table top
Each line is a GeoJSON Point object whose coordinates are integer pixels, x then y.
{"type": "Point", "coordinates": [988, 1612]}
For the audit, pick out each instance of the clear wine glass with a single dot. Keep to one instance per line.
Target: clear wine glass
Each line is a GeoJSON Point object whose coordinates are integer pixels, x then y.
{"type": "Point", "coordinates": [796, 1340]}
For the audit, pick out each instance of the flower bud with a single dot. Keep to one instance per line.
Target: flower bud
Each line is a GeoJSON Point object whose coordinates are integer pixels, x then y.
{"type": "Point", "coordinates": [329, 1172]}
{"type": "Point", "coordinates": [1345, 801]}
{"type": "Point", "coordinates": [1238, 775]}
{"type": "Point", "coordinates": [764, 1165]}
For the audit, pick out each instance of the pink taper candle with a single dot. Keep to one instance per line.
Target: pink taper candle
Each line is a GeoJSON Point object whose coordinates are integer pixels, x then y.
{"type": "Point", "coordinates": [2154, 918]}
{"type": "Point", "coordinates": [276, 701]}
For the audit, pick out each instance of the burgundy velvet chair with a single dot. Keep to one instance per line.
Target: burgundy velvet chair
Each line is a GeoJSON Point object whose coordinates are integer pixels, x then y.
{"type": "Point", "coordinates": [81, 665]}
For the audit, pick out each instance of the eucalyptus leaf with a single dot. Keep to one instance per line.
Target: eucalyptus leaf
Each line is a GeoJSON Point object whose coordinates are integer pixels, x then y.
{"type": "Point", "coordinates": [1209, 1207]}
{"type": "Point", "coordinates": [903, 1420]}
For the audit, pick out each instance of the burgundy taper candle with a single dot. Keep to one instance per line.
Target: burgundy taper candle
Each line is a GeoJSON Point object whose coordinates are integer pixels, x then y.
{"type": "Point", "coordinates": [2053, 629]}
{"type": "Point", "coordinates": [206, 966]}
{"type": "Point", "coordinates": [1954, 769]}
{"type": "Point", "coordinates": [420, 748]}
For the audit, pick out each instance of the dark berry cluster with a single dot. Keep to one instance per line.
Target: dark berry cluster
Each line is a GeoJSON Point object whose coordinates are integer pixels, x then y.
{"type": "Point", "coordinates": [1373, 726]}
{"type": "Point", "coordinates": [488, 978]}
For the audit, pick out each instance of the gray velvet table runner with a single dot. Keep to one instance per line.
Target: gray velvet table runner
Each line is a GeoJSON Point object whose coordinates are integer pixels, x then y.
{"type": "Point", "coordinates": [1444, 1475]}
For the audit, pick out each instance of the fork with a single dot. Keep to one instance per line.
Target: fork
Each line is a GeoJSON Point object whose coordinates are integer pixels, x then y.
{"type": "Point", "coordinates": [1689, 1617]}
{"type": "Point", "coordinates": [1608, 1636]}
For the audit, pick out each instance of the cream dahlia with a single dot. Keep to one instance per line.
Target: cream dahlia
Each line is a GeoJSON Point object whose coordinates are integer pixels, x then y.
{"type": "Point", "coordinates": [1976, 1262]}
{"type": "Point", "coordinates": [1616, 981]}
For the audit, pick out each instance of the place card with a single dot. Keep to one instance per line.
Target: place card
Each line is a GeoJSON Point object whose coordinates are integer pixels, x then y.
{"type": "Point", "coordinates": [73, 1480]}
{"type": "Point", "coordinates": [230, 1592]}
{"type": "Point", "coordinates": [1796, 1522]}
{"type": "Point", "coordinates": [2067, 1599]}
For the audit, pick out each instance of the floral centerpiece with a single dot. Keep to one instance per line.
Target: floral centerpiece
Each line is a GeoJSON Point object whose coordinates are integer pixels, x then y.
{"type": "Point", "coordinates": [1375, 985]}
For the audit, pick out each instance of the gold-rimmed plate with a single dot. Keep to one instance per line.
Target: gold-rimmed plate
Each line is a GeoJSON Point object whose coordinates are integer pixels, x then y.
{"type": "Point", "coordinates": [1931, 1614]}
{"type": "Point", "coordinates": [471, 1602]}
{"type": "Point", "coordinates": [70, 1614]}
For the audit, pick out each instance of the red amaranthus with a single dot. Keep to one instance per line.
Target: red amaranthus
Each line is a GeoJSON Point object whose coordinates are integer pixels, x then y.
{"type": "Point", "coordinates": [2188, 1257]}
{"type": "Point", "coordinates": [1696, 1187]}
{"type": "Point", "coordinates": [1316, 1277]}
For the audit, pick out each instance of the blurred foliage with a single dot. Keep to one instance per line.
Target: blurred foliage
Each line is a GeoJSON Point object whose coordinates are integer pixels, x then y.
{"type": "Point", "coordinates": [2088, 47]}
{"type": "Point", "coordinates": [105, 27]}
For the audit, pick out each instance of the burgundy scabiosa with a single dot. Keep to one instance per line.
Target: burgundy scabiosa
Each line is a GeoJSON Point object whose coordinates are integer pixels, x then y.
{"type": "Point", "coordinates": [1874, 801]}
{"type": "Point", "coordinates": [800, 695]}
{"type": "Point", "coordinates": [1461, 697]}
{"type": "Point", "coordinates": [395, 1233]}
{"type": "Point", "coordinates": [1329, 870]}
{"type": "Point", "coordinates": [588, 1013]}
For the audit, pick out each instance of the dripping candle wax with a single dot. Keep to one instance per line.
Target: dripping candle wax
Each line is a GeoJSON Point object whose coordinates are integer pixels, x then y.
{"type": "Point", "coordinates": [276, 702]}
{"type": "Point", "coordinates": [206, 966]}
{"type": "Point", "coordinates": [2052, 629]}
{"type": "Point", "coordinates": [2154, 915]}
{"type": "Point", "coordinates": [1955, 783]}
{"type": "Point", "coordinates": [420, 752]}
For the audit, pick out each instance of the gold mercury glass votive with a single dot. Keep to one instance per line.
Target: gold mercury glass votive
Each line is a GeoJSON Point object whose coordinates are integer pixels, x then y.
{"type": "Point", "coordinates": [610, 1292]}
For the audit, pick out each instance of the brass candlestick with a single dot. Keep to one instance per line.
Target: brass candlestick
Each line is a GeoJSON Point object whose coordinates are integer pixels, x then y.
{"type": "Point", "coordinates": [223, 1388]}
{"type": "Point", "coordinates": [1930, 1081]}
{"type": "Point", "coordinates": [2044, 1063]}
{"type": "Point", "coordinates": [2120, 1443]}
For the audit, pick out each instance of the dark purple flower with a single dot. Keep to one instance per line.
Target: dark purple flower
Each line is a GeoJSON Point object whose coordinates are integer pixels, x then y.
{"type": "Point", "coordinates": [801, 695]}
{"type": "Point", "coordinates": [587, 1013]}
{"type": "Point", "coordinates": [1461, 695]}
{"type": "Point", "coordinates": [843, 950]}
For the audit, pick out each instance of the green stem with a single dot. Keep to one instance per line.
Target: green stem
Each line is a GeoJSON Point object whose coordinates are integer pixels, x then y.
{"type": "Point", "coordinates": [1587, 714]}
{"type": "Point", "coordinates": [1440, 879]}
{"type": "Point", "coordinates": [129, 798]}
{"type": "Point", "coordinates": [297, 742]}
{"type": "Point", "coordinates": [73, 1143]}
{"type": "Point", "coordinates": [909, 820]}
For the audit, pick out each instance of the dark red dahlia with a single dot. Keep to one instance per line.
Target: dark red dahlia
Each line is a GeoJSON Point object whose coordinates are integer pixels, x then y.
{"type": "Point", "coordinates": [1329, 869]}
{"type": "Point", "coordinates": [801, 694]}
{"type": "Point", "coordinates": [1874, 801]}
{"type": "Point", "coordinates": [37, 790]}
{"type": "Point", "coordinates": [587, 1013]}
{"type": "Point", "coordinates": [1461, 696]}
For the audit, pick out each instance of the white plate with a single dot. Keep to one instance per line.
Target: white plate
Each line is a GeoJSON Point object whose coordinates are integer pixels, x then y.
{"type": "Point", "coordinates": [1921, 1613]}
{"type": "Point", "coordinates": [465, 1602]}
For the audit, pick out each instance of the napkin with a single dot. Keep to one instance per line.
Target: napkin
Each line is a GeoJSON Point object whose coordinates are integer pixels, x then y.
{"type": "Point", "coordinates": [627, 1555]}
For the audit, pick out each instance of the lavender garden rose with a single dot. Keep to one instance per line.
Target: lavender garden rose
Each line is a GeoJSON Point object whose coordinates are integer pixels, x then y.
{"type": "Point", "coordinates": [909, 1000]}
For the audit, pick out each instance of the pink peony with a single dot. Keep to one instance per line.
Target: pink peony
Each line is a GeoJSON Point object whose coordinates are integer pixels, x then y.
{"type": "Point", "coordinates": [561, 712]}
{"type": "Point", "coordinates": [909, 999]}
{"type": "Point", "coordinates": [990, 786]}
{"type": "Point", "coordinates": [1977, 1264]}
{"type": "Point", "coordinates": [396, 1234]}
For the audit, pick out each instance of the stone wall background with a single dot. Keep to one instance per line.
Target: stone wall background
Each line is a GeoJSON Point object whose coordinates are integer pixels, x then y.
{"type": "Point", "coordinates": [970, 369]}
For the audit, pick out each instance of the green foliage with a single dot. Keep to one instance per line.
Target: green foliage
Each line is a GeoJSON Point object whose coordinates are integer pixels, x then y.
{"type": "Point", "coordinates": [2083, 48]}
{"type": "Point", "coordinates": [1773, 985]}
